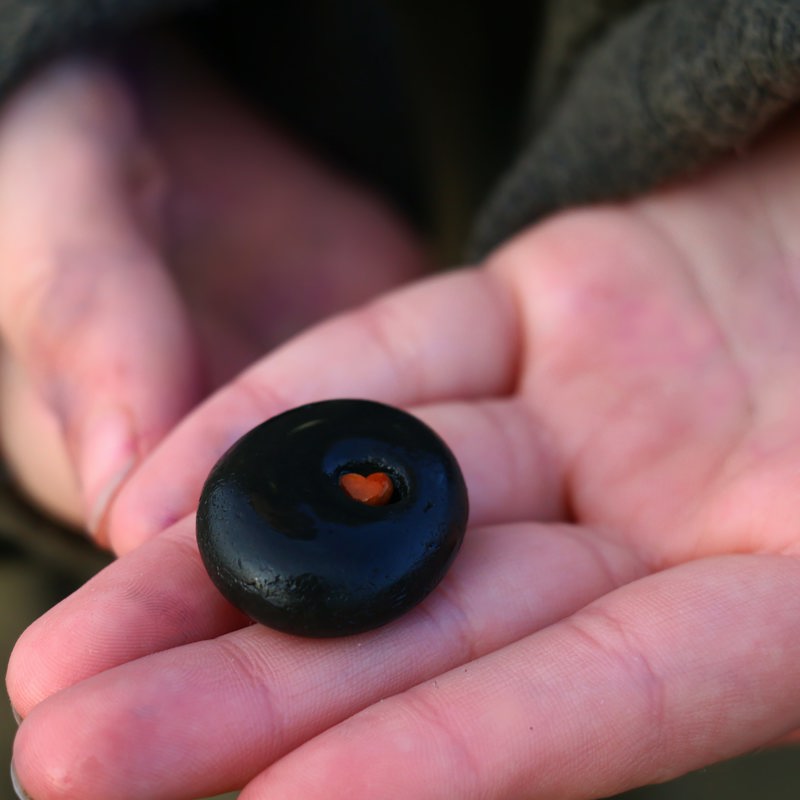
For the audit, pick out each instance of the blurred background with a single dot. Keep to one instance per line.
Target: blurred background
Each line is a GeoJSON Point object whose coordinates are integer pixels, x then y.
{"type": "Point", "coordinates": [40, 563]}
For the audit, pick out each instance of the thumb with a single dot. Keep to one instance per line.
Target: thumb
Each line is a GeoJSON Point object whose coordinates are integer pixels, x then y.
{"type": "Point", "coordinates": [88, 312]}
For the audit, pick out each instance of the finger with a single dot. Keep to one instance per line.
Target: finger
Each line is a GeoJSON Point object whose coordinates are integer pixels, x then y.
{"type": "Point", "coordinates": [663, 676]}
{"type": "Point", "coordinates": [451, 337]}
{"type": "Point", "coordinates": [511, 463]}
{"type": "Point", "coordinates": [86, 308]}
{"type": "Point", "coordinates": [33, 448]}
{"type": "Point", "coordinates": [155, 598]}
{"type": "Point", "coordinates": [204, 717]}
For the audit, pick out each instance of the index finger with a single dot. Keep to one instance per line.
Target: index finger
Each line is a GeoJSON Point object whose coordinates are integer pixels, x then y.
{"type": "Point", "coordinates": [449, 337]}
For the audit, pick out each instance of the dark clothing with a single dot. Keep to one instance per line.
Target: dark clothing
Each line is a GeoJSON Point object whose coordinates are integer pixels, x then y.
{"type": "Point", "coordinates": [485, 118]}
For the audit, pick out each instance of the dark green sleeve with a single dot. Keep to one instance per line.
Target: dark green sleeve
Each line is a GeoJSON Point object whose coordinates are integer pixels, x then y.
{"type": "Point", "coordinates": [629, 94]}
{"type": "Point", "coordinates": [32, 31]}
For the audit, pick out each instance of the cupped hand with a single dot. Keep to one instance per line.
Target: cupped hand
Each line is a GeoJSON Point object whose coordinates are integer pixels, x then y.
{"type": "Point", "coordinates": [620, 387]}
{"type": "Point", "coordinates": [155, 238]}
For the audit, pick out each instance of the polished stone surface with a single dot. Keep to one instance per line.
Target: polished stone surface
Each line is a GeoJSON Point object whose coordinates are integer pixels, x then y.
{"type": "Point", "coordinates": [285, 543]}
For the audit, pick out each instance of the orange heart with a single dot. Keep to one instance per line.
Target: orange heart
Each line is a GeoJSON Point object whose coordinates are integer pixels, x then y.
{"type": "Point", "coordinates": [372, 490]}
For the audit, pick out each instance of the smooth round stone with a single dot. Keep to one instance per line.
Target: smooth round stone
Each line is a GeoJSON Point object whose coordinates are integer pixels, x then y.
{"type": "Point", "coordinates": [286, 542]}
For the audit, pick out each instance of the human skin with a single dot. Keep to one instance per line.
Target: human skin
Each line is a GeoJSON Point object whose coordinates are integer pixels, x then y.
{"type": "Point", "coordinates": [154, 241]}
{"type": "Point", "coordinates": [619, 384]}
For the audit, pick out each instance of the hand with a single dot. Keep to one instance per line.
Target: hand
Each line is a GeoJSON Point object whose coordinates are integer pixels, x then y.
{"type": "Point", "coordinates": [619, 385]}
{"type": "Point", "coordinates": [153, 243]}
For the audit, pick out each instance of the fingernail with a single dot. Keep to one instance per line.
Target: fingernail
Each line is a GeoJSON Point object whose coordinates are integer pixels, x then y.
{"type": "Point", "coordinates": [103, 499]}
{"type": "Point", "coordinates": [17, 716]}
{"type": "Point", "coordinates": [18, 790]}
{"type": "Point", "coordinates": [107, 456]}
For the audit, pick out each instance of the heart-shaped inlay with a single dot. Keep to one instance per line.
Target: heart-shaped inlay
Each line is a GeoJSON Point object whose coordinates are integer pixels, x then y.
{"type": "Point", "coordinates": [375, 489]}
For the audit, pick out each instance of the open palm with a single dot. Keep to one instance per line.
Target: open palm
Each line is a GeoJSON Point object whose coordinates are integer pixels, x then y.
{"type": "Point", "coordinates": [619, 385]}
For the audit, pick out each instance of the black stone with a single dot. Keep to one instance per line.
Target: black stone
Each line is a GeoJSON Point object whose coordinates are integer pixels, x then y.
{"type": "Point", "coordinates": [288, 546]}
